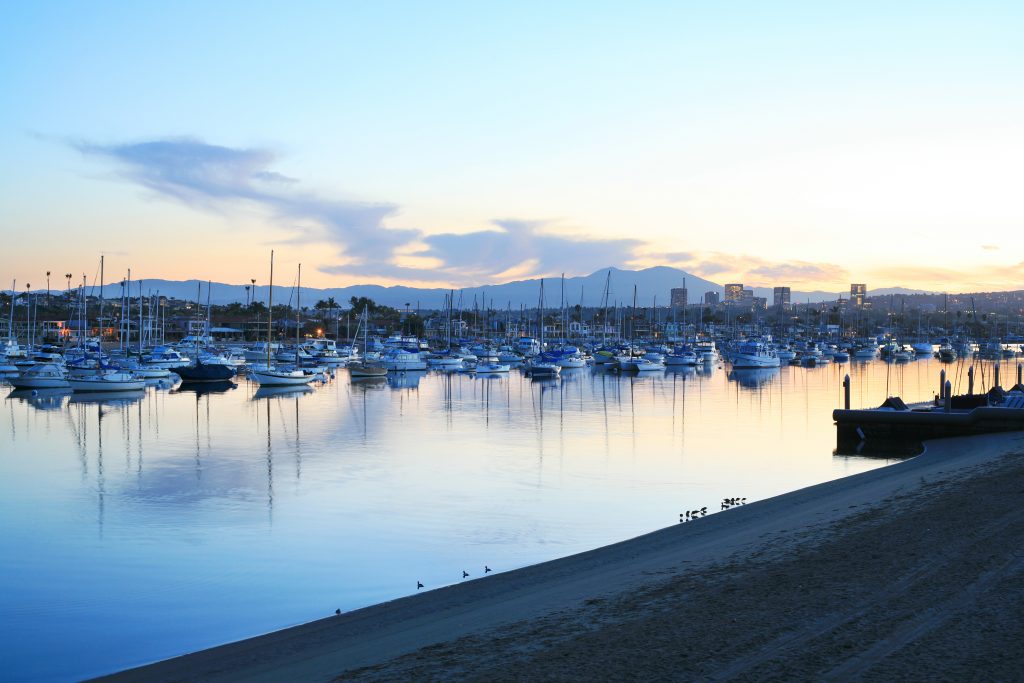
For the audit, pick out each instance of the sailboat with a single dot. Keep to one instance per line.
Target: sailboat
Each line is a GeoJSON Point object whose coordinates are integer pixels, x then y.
{"type": "Point", "coordinates": [542, 366]}
{"type": "Point", "coordinates": [364, 369]}
{"type": "Point", "coordinates": [271, 375]}
{"type": "Point", "coordinates": [198, 371]}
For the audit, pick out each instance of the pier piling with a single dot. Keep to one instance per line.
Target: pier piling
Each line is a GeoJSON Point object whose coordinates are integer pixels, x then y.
{"type": "Point", "coordinates": [970, 380]}
{"type": "Point", "coordinates": [1019, 368]}
{"type": "Point", "coordinates": [942, 383]}
{"type": "Point", "coordinates": [947, 403]}
{"type": "Point", "coordinates": [995, 376]}
{"type": "Point", "coordinates": [846, 390]}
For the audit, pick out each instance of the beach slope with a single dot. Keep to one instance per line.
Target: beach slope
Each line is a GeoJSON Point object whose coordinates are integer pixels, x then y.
{"type": "Point", "coordinates": [915, 570]}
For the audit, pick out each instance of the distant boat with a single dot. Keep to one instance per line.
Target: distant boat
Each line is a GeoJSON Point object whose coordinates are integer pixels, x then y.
{"type": "Point", "coordinates": [110, 381]}
{"type": "Point", "coordinates": [204, 372]}
{"type": "Point", "coordinates": [42, 376]}
{"type": "Point", "coordinates": [755, 355]}
{"type": "Point", "coordinates": [270, 375]}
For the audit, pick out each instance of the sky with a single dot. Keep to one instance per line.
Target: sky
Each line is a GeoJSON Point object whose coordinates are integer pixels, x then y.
{"type": "Point", "coordinates": [805, 144]}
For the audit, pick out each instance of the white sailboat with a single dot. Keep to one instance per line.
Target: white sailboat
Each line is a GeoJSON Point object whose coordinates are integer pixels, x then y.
{"type": "Point", "coordinates": [271, 375]}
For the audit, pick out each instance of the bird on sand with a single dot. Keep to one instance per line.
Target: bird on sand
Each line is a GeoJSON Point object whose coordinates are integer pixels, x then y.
{"type": "Point", "coordinates": [465, 574]}
{"type": "Point", "coordinates": [486, 569]}
{"type": "Point", "coordinates": [337, 611]}
{"type": "Point", "coordinates": [419, 585]}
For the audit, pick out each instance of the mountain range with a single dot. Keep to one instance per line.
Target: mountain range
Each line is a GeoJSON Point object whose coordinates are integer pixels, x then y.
{"type": "Point", "coordinates": [652, 285]}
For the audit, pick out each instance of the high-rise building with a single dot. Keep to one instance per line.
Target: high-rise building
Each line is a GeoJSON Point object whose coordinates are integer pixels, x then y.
{"type": "Point", "coordinates": [781, 297]}
{"type": "Point", "coordinates": [678, 298]}
{"type": "Point", "coordinates": [760, 303]}
{"type": "Point", "coordinates": [733, 291]}
{"type": "Point", "coordinates": [858, 292]}
{"type": "Point", "coordinates": [711, 298]}
{"type": "Point", "coordinates": [747, 296]}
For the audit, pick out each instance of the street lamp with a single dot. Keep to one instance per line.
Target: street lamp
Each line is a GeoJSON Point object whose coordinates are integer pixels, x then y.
{"type": "Point", "coordinates": [47, 288]}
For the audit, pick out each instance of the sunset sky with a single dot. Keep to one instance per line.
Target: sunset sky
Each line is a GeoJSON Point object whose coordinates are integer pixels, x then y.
{"type": "Point", "coordinates": [806, 144]}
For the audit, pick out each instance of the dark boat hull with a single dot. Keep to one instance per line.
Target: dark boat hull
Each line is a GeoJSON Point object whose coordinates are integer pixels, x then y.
{"type": "Point", "coordinates": [201, 372]}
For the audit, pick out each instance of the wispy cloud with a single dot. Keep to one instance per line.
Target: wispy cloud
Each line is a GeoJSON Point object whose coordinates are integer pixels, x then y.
{"type": "Point", "coordinates": [753, 270]}
{"type": "Point", "coordinates": [217, 178]}
{"type": "Point", "coordinates": [990, 247]}
{"type": "Point", "coordinates": [221, 179]}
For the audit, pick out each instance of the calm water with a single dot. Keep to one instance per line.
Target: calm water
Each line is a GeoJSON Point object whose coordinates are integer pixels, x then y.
{"type": "Point", "coordinates": [135, 530]}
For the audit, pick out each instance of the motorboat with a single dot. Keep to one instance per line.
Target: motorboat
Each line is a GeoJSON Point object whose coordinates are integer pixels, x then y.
{"type": "Point", "coordinates": [681, 357]}
{"type": "Point", "coordinates": [165, 357]}
{"type": "Point", "coordinates": [401, 360]}
{"type": "Point", "coordinates": [753, 354]}
{"type": "Point", "coordinates": [41, 376]}
{"type": "Point", "coordinates": [108, 381]}
{"type": "Point", "coordinates": [366, 370]}
{"type": "Point", "coordinates": [275, 376]}
{"type": "Point", "coordinates": [486, 368]}
{"type": "Point", "coordinates": [542, 368]}
{"type": "Point", "coordinates": [445, 362]}
{"type": "Point", "coordinates": [259, 351]}
{"type": "Point", "coordinates": [204, 372]}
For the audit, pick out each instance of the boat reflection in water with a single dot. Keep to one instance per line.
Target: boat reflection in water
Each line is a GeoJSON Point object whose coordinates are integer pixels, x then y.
{"type": "Point", "coordinates": [41, 399]}
{"type": "Point", "coordinates": [109, 398]}
{"type": "Point", "coordinates": [371, 382]}
{"type": "Point", "coordinates": [408, 379]}
{"type": "Point", "coordinates": [753, 378]}
{"type": "Point", "coordinates": [202, 388]}
{"type": "Point", "coordinates": [272, 391]}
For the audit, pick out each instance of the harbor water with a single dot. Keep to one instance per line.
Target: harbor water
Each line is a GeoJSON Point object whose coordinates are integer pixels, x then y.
{"type": "Point", "coordinates": [139, 527]}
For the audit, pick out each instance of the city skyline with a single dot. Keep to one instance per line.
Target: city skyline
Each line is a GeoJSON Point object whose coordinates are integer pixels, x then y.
{"type": "Point", "coordinates": [457, 146]}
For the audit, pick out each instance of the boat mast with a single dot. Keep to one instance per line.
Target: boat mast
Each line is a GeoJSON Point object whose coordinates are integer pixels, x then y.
{"type": "Point", "coordinates": [140, 319]}
{"type": "Point", "coordinates": [298, 312]}
{"type": "Point", "coordinates": [10, 325]}
{"type": "Point", "coordinates": [101, 299]}
{"type": "Point", "coordinates": [540, 305]}
{"type": "Point", "coordinates": [270, 308]}
{"type": "Point", "coordinates": [199, 306]}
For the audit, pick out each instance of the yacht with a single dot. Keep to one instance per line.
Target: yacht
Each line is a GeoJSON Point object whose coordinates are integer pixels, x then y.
{"type": "Point", "coordinates": [755, 355]}
{"type": "Point", "coordinates": [358, 370]}
{"type": "Point", "coordinates": [706, 351]}
{"type": "Point", "coordinates": [681, 357]}
{"type": "Point", "coordinates": [281, 377]}
{"type": "Point", "coordinates": [258, 351]}
{"type": "Point", "coordinates": [487, 368]}
{"type": "Point", "coordinates": [41, 376]}
{"type": "Point", "coordinates": [108, 381]}
{"type": "Point", "coordinates": [165, 357]}
{"type": "Point", "coordinates": [400, 359]}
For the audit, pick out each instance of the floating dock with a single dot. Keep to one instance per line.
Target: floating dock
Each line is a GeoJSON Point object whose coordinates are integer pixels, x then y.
{"type": "Point", "coordinates": [969, 414]}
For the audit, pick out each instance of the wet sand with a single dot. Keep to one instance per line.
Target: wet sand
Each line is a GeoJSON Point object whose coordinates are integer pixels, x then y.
{"type": "Point", "coordinates": [912, 571]}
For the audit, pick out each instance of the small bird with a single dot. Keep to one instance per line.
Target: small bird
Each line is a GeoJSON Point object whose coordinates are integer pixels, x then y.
{"type": "Point", "coordinates": [703, 511]}
{"type": "Point", "coordinates": [419, 585]}
{"type": "Point", "coordinates": [337, 611]}
{"type": "Point", "coordinates": [486, 569]}
{"type": "Point", "coordinates": [465, 574]}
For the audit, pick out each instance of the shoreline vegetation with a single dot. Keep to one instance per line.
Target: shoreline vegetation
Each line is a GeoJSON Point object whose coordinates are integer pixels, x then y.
{"type": "Point", "coordinates": [911, 571]}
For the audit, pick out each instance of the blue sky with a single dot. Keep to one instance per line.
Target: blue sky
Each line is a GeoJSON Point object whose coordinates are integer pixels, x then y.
{"type": "Point", "coordinates": [808, 144]}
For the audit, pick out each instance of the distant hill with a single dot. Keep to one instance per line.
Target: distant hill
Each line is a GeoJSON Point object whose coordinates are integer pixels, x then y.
{"type": "Point", "coordinates": [650, 283]}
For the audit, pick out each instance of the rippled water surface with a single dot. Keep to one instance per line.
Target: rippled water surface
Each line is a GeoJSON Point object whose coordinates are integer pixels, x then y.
{"type": "Point", "coordinates": [135, 529]}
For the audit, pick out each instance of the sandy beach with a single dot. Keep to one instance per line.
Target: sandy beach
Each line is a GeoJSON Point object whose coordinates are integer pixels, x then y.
{"type": "Point", "coordinates": [912, 571]}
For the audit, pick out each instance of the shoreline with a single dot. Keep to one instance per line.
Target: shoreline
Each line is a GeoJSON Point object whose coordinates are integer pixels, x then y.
{"type": "Point", "coordinates": [584, 595]}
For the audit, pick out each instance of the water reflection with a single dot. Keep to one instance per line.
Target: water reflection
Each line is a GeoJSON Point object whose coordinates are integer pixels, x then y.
{"type": "Point", "coordinates": [753, 378]}
{"type": "Point", "coordinates": [410, 379]}
{"type": "Point", "coordinates": [202, 388]}
{"type": "Point", "coordinates": [109, 397]}
{"type": "Point", "coordinates": [41, 399]}
{"type": "Point", "coordinates": [280, 392]}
